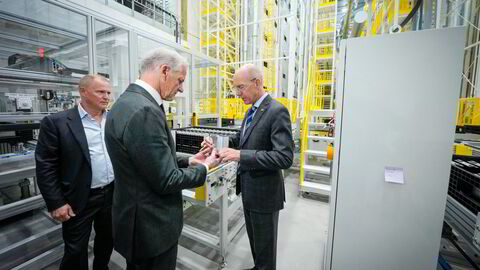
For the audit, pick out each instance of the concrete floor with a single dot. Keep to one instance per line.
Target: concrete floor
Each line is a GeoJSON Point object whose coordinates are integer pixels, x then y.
{"type": "Point", "coordinates": [301, 238]}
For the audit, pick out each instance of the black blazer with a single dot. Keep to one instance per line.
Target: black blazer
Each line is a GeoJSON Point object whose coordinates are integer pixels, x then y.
{"type": "Point", "coordinates": [64, 173]}
{"type": "Point", "coordinates": [147, 204]}
{"type": "Point", "coordinates": [266, 149]}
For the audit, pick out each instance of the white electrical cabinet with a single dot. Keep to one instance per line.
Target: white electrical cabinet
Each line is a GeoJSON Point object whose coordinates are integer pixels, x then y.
{"type": "Point", "coordinates": [396, 100]}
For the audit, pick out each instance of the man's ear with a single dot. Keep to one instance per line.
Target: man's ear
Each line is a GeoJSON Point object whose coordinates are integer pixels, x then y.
{"type": "Point", "coordinates": [257, 82]}
{"type": "Point", "coordinates": [164, 69]}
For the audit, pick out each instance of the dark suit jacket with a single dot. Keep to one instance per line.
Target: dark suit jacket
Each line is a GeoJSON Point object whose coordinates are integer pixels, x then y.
{"type": "Point", "coordinates": [64, 173]}
{"type": "Point", "coordinates": [147, 203]}
{"type": "Point", "coordinates": [266, 149]}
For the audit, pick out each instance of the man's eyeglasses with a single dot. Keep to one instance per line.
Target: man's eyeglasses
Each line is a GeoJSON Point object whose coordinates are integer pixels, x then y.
{"type": "Point", "coordinates": [242, 87]}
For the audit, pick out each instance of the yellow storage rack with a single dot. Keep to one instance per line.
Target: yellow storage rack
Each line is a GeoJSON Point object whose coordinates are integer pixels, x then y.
{"type": "Point", "coordinates": [291, 105]}
{"type": "Point", "coordinates": [270, 46]}
{"type": "Point", "coordinates": [468, 115]}
{"type": "Point", "coordinates": [219, 38]}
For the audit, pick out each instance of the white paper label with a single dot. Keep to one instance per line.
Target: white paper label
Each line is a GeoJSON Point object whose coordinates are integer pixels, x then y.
{"type": "Point", "coordinates": [394, 175]}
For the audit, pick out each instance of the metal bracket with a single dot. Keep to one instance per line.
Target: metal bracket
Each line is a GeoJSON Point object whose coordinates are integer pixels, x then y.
{"type": "Point", "coordinates": [476, 233]}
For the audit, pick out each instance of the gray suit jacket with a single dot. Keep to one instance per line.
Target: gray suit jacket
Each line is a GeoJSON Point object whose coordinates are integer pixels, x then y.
{"type": "Point", "coordinates": [147, 205]}
{"type": "Point", "coordinates": [266, 149]}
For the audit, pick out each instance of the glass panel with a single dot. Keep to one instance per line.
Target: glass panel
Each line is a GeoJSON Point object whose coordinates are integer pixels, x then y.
{"type": "Point", "coordinates": [25, 96]}
{"type": "Point", "coordinates": [47, 14]}
{"type": "Point", "coordinates": [204, 96]}
{"type": "Point", "coordinates": [49, 45]}
{"type": "Point", "coordinates": [38, 36]}
{"type": "Point", "coordinates": [112, 55]}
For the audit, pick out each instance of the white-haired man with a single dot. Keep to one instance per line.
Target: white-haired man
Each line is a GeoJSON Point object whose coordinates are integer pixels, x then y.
{"type": "Point", "coordinates": [148, 206]}
{"type": "Point", "coordinates": [263, 148]}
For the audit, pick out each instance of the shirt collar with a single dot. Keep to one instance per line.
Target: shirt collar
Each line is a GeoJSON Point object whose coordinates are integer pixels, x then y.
{"type": "Point", "coordinates": [259, 101]}
{"type": "Point", "coordinates": [84, 113]}
{"type": "Point", "coordinates": [154, 93]}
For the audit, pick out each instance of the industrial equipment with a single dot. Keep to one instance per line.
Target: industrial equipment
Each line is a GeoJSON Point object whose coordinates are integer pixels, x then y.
{"type": "Point", "coordinates": [217, 195]}
{"type": "Point", "coordinates": [390, 180]}
{"type": "Point", "coordinates": [463, 200]}
{"type": "Point", "coordinates": [468, 115]}
{"type": "Point", "coordinates": [26, 97]}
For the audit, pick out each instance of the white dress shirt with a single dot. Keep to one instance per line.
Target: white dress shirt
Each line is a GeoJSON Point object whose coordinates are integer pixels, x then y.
{"type": "Point", "coordinates": [102, 170]}
{"type": "Point", "coordinates": [154, 93]}
{"type": "Point", "coordinates": [257, 104]}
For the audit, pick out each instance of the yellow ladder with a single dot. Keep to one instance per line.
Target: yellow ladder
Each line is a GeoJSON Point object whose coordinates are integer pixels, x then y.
{"type": "Point", "coordinates": [319, 103]}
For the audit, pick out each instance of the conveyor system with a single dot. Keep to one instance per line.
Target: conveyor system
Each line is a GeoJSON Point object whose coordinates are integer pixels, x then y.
{"type": "Point", "coordinates": [463, 207]}
{"type": "Point", "coordinates": [217, 195]}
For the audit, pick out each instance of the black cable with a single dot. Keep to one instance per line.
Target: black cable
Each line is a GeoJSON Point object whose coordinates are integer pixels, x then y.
{"type": "Point", "coordinates": [412, 12]}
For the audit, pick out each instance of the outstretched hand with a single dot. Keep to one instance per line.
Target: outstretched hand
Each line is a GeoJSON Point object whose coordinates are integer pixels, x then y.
{"type": "Point", "coordinates": [201, 156]}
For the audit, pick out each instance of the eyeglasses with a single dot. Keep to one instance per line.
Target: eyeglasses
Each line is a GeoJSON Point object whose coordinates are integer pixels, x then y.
{"type": "Point", "coordinates": [242, 87]}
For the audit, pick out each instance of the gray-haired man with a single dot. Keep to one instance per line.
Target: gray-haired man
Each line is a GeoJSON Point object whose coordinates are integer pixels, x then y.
{"type": "Point", "coordinates": [148, 206]}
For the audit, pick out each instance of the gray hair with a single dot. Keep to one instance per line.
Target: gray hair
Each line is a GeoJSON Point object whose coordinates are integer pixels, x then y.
{"type": "Point", "coordinates": [162, 56]}
{"type": "Point", "coordinates": [87, 80]}
{"type": "Point", "coordinates": [253, 71]}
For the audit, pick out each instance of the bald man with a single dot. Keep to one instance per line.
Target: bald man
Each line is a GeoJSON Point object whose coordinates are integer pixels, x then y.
{"type": "Point", "coordinates": [75, 175]}
{"type": "Point", "coordinates": [263, 147]}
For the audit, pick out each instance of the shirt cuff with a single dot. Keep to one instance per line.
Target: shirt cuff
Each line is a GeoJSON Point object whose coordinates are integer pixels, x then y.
{"type": "Point", "coordinates": [206, 167]}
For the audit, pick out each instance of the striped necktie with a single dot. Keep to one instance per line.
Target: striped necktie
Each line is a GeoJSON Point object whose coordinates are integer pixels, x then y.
{"type": "Point", "coordinates": [250, 117]}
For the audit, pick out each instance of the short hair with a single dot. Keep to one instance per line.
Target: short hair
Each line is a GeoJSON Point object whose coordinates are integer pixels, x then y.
{"type": "Point", "coordinates": [162, 56]}
{"type": "Point", "coordinates": [252, 71]}
{"type": "Point", "coordinates": [87, 80]}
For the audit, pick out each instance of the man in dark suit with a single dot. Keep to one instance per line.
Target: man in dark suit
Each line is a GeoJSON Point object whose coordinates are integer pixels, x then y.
{"type": "Point", "coordinates": [148, 204]}
{"type": "Point", "coordinates": [265, 147]}
{"type": "Point", "coordinates": [75, 175]}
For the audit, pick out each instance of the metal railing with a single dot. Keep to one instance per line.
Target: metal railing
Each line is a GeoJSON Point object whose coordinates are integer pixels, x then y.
{"type": "Point", "coordinates": [156, 11]}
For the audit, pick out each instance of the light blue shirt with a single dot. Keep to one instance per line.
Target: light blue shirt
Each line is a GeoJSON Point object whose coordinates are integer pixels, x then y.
{"type": "Point", "coordinates": [257, 104]}
{"type": "Point", "coordinates": [102, 170]}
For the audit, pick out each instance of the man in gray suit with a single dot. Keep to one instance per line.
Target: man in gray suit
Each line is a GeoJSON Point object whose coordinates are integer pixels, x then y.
{"type": "Point", "coordinates": [147, 204]}
{"type": "Point", "coordinates": [264, 147]}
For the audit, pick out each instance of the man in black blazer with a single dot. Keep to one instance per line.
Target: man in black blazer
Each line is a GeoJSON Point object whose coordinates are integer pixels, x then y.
{"type": "Point", "coordinates": [265, 147]}
{"type": "Point", "coordinates": [75, 175]}
{"type": "Point", "coordinates": [148, 204]}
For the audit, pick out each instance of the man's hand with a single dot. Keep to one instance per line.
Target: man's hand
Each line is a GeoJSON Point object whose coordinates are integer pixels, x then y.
{"type": "Point", "coordinates": [213, 160]}
{"type": "Point", "coordinates": [63, 213]}
{"type": "Point", "coordinates": [200, 157]}
{"type": "Point", "coordinates": [229, 154]}
{"type": "Point", "coordinates": [207, 142]}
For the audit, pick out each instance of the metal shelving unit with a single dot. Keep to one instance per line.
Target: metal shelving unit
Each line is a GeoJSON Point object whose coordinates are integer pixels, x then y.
{"type": "Point", "coordinates": [219, 38]}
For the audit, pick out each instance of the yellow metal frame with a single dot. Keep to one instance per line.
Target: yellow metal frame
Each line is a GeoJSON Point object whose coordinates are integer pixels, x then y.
{"type": "Point", "coordinates": [219, 38]}
{"type": "Point", "coordinates": [319, 94]}
{"type": "Point", "coordinates": [383, 13]}
{"type": "Point", "coordinates": [468, 112]}
{"type": "Point", "coordinates": [462, 149]}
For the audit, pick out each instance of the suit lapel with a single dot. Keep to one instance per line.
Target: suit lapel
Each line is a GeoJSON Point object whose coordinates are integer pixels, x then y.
{"type": "Point", "coordinates": [258, 115]}
{"type": "Point", "coordinates": [76, 127]}
{"type": "Point", "coordinates": [140, 90]}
